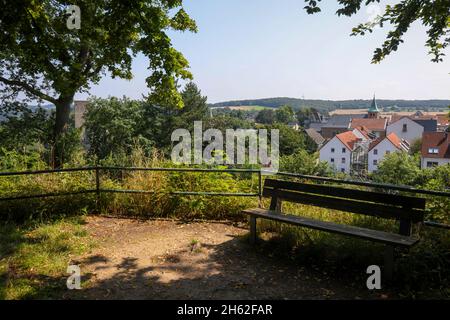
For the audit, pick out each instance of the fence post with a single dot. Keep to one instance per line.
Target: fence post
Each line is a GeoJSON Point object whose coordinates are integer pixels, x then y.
{"type": "Point", "coordinates": [97, 187]}
{"type": "Point", "coordinates": [259, 189]}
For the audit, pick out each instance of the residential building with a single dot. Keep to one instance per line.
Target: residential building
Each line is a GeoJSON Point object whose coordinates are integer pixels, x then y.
{"type": "Point", "coordinates": [442, 122]}
{"type": "Point", "coordinates": [294, 125]}
{"type": "Point", "coordinates": [435, 149]}
{"type": "Point", "coordinates": [359, 153]}
{"type": "Point", "coordinates": [428, 124]}
{"type": "Point", "coordinates": [316, 137]}
{"type": "Point", "coordinates": [338, 151]}
{"type": "Point", "coordinates": [406, 128]}
{"type": "Point", "coordinates": [337, 124]}
{"type": "Point", "coordinates": [375, 125]}
{"type": "Point", "coordinates": [315, 119]}
{"type": "Point", "coordinates": [363, 134]}
{"type": "Point", "coordinates": [79, 108]}
{"type": "Point", "coordinates": [412, 127]}
{"type": "Point", "coordinates": [382, 146]}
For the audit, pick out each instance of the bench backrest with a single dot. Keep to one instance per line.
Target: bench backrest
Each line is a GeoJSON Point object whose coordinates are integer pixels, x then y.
{"type": "Point", "coordinates": [407, 209]}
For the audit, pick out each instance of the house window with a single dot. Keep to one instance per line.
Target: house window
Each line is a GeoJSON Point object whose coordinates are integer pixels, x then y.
{"type": "Point", "coordinates": [375, 162]}
{"type": "Point", "coordinates": [343, 160]}
{"type": "Point", "coordinates": [343, 150]}
{"type": "Point", "coordinates": [431, 164]}
{"type": "Point", "coordinates": [332, 160]}
{"type": "Point", "coordinates": [375, 151]}
{"type": "Point", "coordinates": [342, 170]}
{"type": "Point", "coordinates": [387, 152]}
{"type": "Point", "coordinates": [405, 127]}
{"type": "Point", "coordinates": [433, 150]}
{"type": "Point", "coordinates": [332, 150]}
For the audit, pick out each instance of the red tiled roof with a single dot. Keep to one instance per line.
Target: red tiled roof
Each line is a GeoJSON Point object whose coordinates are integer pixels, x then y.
{"type": "Point", "coordinates": [370, 124]}
{"type": "Point", "coordinates": [348, 138]}
{"type": "Point", "coordinates": [364, 131]}
{"type": "Point", "coordinates": [395, 140]}
{"type": "Point", "coordinates": [443, 120]}
{"type": "Point", "coordinates": [396, 117]}
{"type": "Point", "coordinates": [392, 137]}
{"type": "Point", "coordinates": [436, 140]}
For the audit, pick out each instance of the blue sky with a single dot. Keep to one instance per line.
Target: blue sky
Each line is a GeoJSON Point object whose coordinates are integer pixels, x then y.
{"type": "Point", "coordinates": [247, 49]}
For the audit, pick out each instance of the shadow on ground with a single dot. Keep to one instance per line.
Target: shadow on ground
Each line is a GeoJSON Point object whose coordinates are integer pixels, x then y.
{"type": "Point", "coordinates": [201, 261]}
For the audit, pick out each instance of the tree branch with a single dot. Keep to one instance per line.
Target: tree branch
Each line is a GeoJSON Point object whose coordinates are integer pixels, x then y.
{"type": "Point", "coordinates": [28, 88]}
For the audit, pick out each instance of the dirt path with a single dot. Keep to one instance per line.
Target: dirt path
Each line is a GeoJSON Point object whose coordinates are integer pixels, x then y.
{"type": "Point", "coordinates": [171, 260]}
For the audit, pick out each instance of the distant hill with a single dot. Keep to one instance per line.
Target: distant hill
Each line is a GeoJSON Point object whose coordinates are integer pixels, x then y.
{"type": "Point", "coordinates": [48, 107]}
{"type": "Point", "coordinates": [329, 105]}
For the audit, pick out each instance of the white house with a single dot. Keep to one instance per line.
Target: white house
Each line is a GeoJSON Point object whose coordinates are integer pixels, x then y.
{"type": "Point", "coordinates": [338, 151]}
{"type": "Point", "coordinates": [381, 147]}
{"type": "Point", "coordinates": [435, 149]}
{"type": "Point", "coordinates": [405, 128]}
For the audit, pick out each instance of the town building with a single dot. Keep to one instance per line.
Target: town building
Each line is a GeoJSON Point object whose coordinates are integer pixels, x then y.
{"type": "Point", "coordinates": [338, 124]}
{"type": "Point", "coordinates": [442, 122]}
{"type": "Point", "coordinates": [377, 126]}
{"type": "Point", "coordinates": [79, 108]}
{"type": "Point", "coordinates": [435, 149]}
{"type": "Point", "coordinates": [337, 152]}
{"type": "Point", "coordinates": [294, 125]}
{"type": "Point", "coordinates": [406, 128]}
{"type": "Point", "coordinates": [383, 146]}
{"type": "Point", "coordinates": [411, 128]}
{"type": "Point", "coordinates": [316, 137]}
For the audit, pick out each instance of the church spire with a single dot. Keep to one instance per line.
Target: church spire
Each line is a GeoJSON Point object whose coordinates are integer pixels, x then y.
{"type": "Point", "coordinates": [373, 110]}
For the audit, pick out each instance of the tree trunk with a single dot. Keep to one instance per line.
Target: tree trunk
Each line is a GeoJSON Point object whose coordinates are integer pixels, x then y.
{"type": "Point", "coordinates": [61, 124]}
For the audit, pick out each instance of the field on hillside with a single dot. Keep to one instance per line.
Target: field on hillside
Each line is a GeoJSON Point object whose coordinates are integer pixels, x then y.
{"type": "Point", "coordinates": [247, 108]}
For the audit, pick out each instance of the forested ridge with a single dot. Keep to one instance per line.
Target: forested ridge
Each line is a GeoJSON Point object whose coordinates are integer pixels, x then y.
{"type": "Point", "coordinates": [329, 105]}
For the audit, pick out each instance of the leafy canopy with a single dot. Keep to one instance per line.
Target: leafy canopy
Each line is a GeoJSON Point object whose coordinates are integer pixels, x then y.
{"type": "Point", "coordinates": [284, 114]}
{"type": "Point", "coordinates": [434, 15]}
{"type": "Point", "coordinates": [398, 168]}
{"type": "Point", "coordinates": [45, 60]}
{"type": "Point", "coordinates": [117, 126]}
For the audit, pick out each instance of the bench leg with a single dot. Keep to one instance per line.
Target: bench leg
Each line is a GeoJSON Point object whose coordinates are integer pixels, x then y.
{"type": "Point", "coordinates": [388, 263]}
{"type": "Point", "coordinates": [253, 235]}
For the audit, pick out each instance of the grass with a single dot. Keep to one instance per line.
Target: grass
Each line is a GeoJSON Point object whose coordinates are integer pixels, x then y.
{"type": "Point", "coordinates": [34, 258]}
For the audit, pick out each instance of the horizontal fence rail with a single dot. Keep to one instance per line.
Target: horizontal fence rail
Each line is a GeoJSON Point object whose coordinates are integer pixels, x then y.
{"type": "Point", "coordinates": [96, 170]}
{"type": "Point", "coordinates": [25, 173]}
{"type": "Point", "coordinates": [181, 169]}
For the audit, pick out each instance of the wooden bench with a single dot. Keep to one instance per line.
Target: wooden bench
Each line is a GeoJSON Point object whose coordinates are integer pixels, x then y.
{"type": "Point", "coordinates": [407, 210]}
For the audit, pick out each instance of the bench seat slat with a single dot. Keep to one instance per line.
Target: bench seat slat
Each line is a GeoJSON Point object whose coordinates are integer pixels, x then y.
{"type": "Point", "coordinates": [348, 205]}
{"type": "Point", "coordinates": [373, 235]}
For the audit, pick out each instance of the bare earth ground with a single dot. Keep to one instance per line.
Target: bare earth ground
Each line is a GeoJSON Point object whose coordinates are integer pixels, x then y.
{"type": "Point", "coordinates": [161, 259]}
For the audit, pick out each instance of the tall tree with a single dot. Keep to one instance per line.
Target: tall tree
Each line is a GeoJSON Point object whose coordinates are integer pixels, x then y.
{"type": "Point", "coordinates": [398, 168]}
{"type": "Point", "coordinates": [160, 122]}
{"type": "Point", "coordinates": [44, 59]}
{"type": "Point", "coordinates": [433, 14]}
{"type": "Point", "coordinates": [303, 115]}
{"type": "Point", "coordinates": [291, 140]}
{"type": "Point", "coordinates": [195, 106]}
{"type": "Point", "coordinates": [23, 127]}
{"type": "Point", "coordinates": [114, 126]}
{"type": "Point", "coordinates": [265, 116]}
{"type": "Point", "coordinates": [284, 114]}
